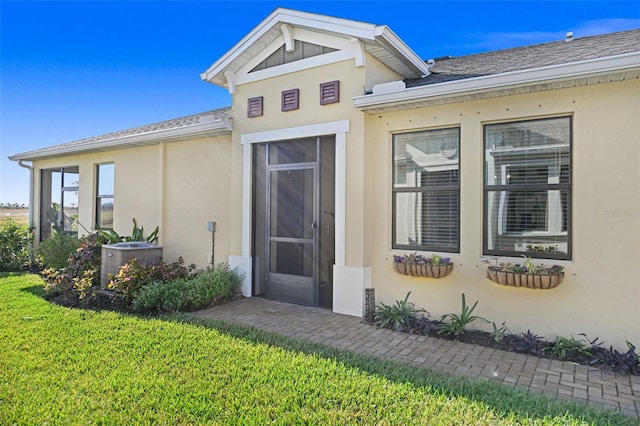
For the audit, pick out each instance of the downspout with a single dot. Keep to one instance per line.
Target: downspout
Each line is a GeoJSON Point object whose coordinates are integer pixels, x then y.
{"type": "Point", "coordinates": [30, 168]}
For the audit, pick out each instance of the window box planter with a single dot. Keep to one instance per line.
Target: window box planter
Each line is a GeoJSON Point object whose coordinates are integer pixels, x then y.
{"type": "Point", "coordinates": [416, 265]}
{"type": "Point", "coordinates": [526, 275]}
{"type": "Point", "coordinates": [542, 281]}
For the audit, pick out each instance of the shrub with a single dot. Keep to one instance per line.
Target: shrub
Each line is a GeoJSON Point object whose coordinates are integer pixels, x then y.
{"type": "Point", "coordinates": [81, 277]}
{"type": "Point", "coordinates": [54, 252]}
{"type": "Point", "coordinates": [206, 288]}
{"type": "Point", "coordinates": [458, 323]}
{"type": "Point", "coordinates": [399, 316]}
{"type": "Point", "coordinates": [563, 347]}
{"type": "Point", "coordinates": [14, 246]}
{"type": "Point", "coordinates": [133, 276]}
{"type": "Point", "coordinates": [529, 343]}
{"type": "Point", "coordinates": [621, 362]}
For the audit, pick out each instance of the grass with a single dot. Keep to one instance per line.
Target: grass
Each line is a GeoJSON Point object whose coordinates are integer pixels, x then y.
{"type": "Point", "coordinates": [20, 216]}
{"type": "Point", "coordinates": [70, 366]}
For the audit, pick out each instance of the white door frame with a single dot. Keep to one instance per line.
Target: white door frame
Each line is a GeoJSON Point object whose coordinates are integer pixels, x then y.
{"type": "Point", "coordinates": [337, 128]}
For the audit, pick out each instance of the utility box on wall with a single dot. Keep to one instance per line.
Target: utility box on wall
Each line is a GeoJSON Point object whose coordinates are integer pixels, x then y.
{"type": "Point", "coordinates": [116, 255]}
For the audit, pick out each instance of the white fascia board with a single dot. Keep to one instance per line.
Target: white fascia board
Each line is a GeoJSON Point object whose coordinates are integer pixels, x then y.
{"type": "Point", "coordinates": [485, 84]}
{"type": "Point", "coordinates": [303, 64]}
{"type": "Point", "coordinates": [209, 128]}
{"type": "Point", "coordinates": [395, 45]}
{"type": "Point", "coordinates": [292, 17]}
{"type": "Point", "coordinates": [327, 23]}
{"type": "Point", "coordinates": [320, 129]}
{"type": "Point", "coordinates": [345, 51]}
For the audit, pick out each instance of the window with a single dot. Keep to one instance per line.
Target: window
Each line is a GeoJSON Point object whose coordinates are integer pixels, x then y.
{"type": "Point", "coordinates": [426, 190]}
{"type": "Point", "coordinates": [104, 196]}
{"type": "Point", "coordinates": [527, 188]}
{"type": "Point", "coordinates": [59, 200]}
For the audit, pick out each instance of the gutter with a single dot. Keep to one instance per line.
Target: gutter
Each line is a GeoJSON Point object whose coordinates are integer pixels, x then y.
{"type": "Point", "coordinates": [407, 98]}
{"type": "Point", "coordinates": [30, 168]}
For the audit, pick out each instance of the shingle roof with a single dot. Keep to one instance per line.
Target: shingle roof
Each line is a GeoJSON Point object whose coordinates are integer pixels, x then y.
{"type": "Point", "coordinates": [174, 123]}
{"type": "Point", "coordinates": [528, 57]}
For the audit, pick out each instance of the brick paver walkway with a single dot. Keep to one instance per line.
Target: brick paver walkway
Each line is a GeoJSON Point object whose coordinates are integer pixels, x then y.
{"type": "Point", "coordinates": [563, 380]}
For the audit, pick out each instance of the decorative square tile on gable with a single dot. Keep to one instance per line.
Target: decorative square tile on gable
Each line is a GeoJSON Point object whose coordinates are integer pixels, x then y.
{"type": "Point", "coordinates": [254, 107]}
{"type": "Point", "coordinates": [330, 92]}
{"type": "Point", "coordinates": [290, 100]}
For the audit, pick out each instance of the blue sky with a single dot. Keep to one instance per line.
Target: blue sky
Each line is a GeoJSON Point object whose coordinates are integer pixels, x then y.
{"type": "Point", "coordinates": [70, 70]}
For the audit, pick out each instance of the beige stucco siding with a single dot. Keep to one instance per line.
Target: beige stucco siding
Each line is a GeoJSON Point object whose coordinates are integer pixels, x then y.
{"type": "Point", "coordinates": [197, 187]}
{"type": "Point", "coordinates": [178, 186]}
{"type": "Point", "coordinates": [601, 292]}
{"type": "Point", "coordinates": [136, 188]}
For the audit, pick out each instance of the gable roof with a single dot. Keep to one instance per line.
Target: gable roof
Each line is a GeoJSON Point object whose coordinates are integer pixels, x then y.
{"type": "Point", "coordinates": [209, 123]}
{"type": "Point", "coordinates": [378, 40]}
{"type": "Point", "coordinates": [589, 60]}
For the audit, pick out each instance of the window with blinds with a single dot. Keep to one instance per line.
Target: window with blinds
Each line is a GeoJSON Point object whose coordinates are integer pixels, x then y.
{"type": "Point", "coordinates": [426, 190]}
{"type": "Point", "coordinates": [527, 188]}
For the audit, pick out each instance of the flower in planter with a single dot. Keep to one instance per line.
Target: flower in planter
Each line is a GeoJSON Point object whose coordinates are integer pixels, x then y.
{"type": "Point", "coordinates": [526, 274]}
{"type": "Point", "coordinates": [418, 259]}
{"type": "Point", "coordinates": [417, 265]}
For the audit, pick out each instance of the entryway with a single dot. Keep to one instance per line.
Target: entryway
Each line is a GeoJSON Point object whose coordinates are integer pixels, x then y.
{"type": "Point", "coordinates": [294, 220]}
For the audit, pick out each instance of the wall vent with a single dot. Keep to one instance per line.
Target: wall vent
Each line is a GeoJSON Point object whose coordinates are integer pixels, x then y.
{"type": "Point", "coordinates": [290, 99]}
{"type": "Point", "coordinates": [330, 92]}
{"type": "Point", "coordinates": [254, 107]}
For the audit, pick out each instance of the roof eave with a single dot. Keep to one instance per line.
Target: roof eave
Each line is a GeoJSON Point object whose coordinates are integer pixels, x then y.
{"type": "Point", "coordinates": [411, 97]}
{"type": "Point", "coordinates": [390, 41]}
{"type": "Point", "coordinates": [213, 74]}
{"type": "Point", "coordinates": [366, 32]}
{"type": "Point", "coordinates": [205, 129]}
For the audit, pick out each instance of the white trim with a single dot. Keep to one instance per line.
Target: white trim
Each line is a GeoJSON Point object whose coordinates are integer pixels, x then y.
{"type": "Point", "coordinates": [291, 67]}
{"type": "Point", "coordinates": [487, 84]}
{"type": "Point", "coordinates": [349, 283]}
{"type": "Point", "coordinates": [358, 52]}
{"type": "Point", "coordinates": [337, 128]}
{"type": "Point", "coordinates": [287, 33]}
{"type": "Point", "coordinates": [321, 39]}
{"type": "Point", "coordinates": [281, 15]}
{"type": "Point", "coordinates": [390, 41]}
{"type": "Point", "coordinates": [230, 76]}
{"type": "Point", "coordinates": [301, 35]}
{"type": "Point", "coordinates": [381, 36]}
{"type": "Point", "coordinates": [247, 208]}
{"type": "Point", "coordinates": [243, 265]}
{"type": "Point", "coordinates": [329, 128]}
{"type": "Point", "coordinates": [207, 128]}
{"type": "Point", "coordinates": [340, 211]}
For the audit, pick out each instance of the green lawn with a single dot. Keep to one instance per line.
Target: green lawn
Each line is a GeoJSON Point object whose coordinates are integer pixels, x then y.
{"type": "Point", "coordinates": [20, 216]}
{"type": "Point", "coordinates": [70, 366]}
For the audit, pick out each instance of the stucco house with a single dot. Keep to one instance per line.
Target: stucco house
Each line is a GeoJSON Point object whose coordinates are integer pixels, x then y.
{"type": "Point", "coordinates": [343, 147]}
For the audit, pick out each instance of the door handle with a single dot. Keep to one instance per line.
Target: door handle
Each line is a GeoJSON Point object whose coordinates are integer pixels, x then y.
{"type": "Point", "coordinates": [314, 225]}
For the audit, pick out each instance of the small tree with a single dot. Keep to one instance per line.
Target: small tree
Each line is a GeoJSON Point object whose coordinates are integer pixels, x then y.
{"type": "Point", "coordinates": [15, 242]}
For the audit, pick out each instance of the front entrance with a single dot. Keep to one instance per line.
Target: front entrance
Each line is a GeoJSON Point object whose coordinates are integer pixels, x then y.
{"type": "Point", "coordinates": [294, 238]}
